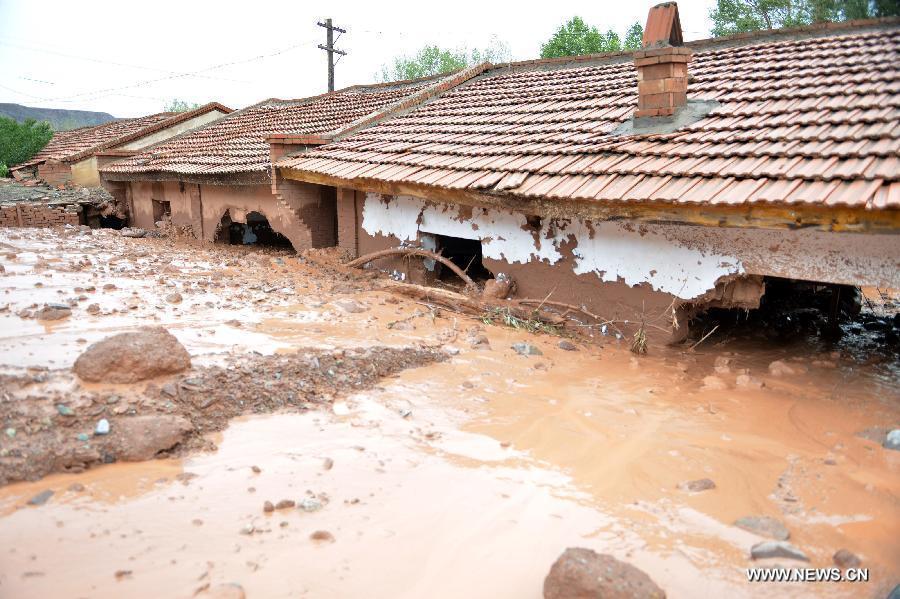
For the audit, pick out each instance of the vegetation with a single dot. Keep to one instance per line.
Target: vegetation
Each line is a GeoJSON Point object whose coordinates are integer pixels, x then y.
{"type": "Point", "coordinates": [740, 16]}
{"type": "Point", "coordinates": [60, 119]}
{"type": "Point", "coordinates": [434, 60]}
{"type": "Point", "coordinates": [21, 141]}
{"type": "Point", "coordinates": [576, 38]}
{"type": "Point", "coordinates": [177, 105]}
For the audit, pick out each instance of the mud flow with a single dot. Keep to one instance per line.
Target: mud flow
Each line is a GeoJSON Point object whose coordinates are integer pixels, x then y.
{"type": "Point", "coordinates": [330, 438]}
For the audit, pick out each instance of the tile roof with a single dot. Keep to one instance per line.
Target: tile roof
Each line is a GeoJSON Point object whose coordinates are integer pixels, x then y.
{"type": "Point", "coordinates": [74, 145]}
{"type": "Point", "coordinates": [811, 119]}
{"type": "Point", "coordinates": [237, 143]}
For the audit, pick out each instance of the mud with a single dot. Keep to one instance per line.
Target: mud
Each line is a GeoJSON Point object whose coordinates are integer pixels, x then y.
{"type": "Point", "coordinates": [462, 477]}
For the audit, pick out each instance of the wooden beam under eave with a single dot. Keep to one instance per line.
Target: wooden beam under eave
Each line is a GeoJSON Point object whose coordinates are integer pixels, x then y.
{"type": "Point", "coordinates": [763, 216]}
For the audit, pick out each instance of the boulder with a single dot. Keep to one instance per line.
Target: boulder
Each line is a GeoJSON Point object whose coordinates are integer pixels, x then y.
{"type": "Point", "coordinates": [140, 438]}
{"type": "Point", "coordinates": [769, 549]}
{"type": "Point", "coordinates": [130, 357]}
{"type": "Point", "coordinates": [764, 526]}
{"type": "Point", "coordinates": [585, 574]}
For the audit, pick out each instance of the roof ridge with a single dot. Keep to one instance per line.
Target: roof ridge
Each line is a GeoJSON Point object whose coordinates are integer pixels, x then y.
{"type": "Point", "coordinates": [745, 38]}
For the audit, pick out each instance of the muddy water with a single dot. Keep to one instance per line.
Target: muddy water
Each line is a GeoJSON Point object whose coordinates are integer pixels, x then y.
{"type": "Point", "coordinates": [469, 478]}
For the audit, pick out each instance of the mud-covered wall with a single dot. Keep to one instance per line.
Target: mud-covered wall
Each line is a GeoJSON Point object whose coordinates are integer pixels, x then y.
{"type": "Point", "coordinates": [85, 173]}
{"type": "Point", "coordinates": [54, 172]}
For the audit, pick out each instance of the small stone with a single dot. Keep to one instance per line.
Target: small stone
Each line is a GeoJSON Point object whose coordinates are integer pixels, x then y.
{"type": "Point", "coordinates": [453, 351]}
{"type": "Point", "coordinates": [174, 298]}
{"type": "Point", "coordinates": [765, 526]}
{"type": "Point", "coordinates": [480, 341]}
{"type": "Point", "coordinates": [93, 309]}
{"type": "Point", "coordinates": [169, 389]}
{"type": "Point", "coordinates": [567, 345]}
{"type": "Point", "coordinates": [713, 383]}
{"type": "Point", "coordinates": [845, 559]}
{"type": "Point", "coordinates": [41, 498]}
{"type": "Point", "coordinates": [64, 410]}
{"type": "Point", "coordinates": [892, 440]}
{"type": "Point", "coordinates": [268, 507]}
{"type": "Point", "coordinates": [256, 469]}
{"type": "Point", "coordinates": [102, 427]}
{"type": "Point", "coordinates": [76, 487]}
{"type": "Point", "coordinates": [247, 529]}
{"type": "Point", "coordinates": [768, 549]}
{"type": "Point", "coordinates": [350, 306]}
{"type": "Point", "coordinates": [780, 368]}
{"type": "Point", "coordinates": [11, 432]}
{"type": "Point", "coordinates": [327, 464]}
{"type": "Point", "coordinates": [284, 504]}
{"type": "Point", "coordinates": [526, 349]}
{"type": "Point", "coordinates": [83, 437]}
{"type": "Point", "coordinates": [696, 486]}
{"type": "Point", "coordinates": [746, 381]}
{"type": "Point", "coordinates": [322, 536]}
{"type": "Point", "coordinates": [310, 504]}
{"type": "Point", "coordinates": [53, 312]}
{"type": "Point", "coordinates": [120, 574]}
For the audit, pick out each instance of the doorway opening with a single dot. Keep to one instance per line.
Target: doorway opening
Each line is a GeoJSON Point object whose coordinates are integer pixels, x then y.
{"type": "Point", "coordinates": [256, 231]}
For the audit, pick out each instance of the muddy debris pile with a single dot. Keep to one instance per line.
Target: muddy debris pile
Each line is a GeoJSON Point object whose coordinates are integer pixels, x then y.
{"type": "Point", "coordinates": [137, 355]}
{"type": "Point", "coordinates": [49, 428]}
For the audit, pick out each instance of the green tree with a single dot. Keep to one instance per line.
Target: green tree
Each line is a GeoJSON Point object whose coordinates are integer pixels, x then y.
{"type": "Point", "coordinates": [177, 105]}
{"type": "Point", "coordinates": [634, 38]}
{"type": "Point", "coordinates": [739, 16]}
{"type": "Point", "coordinates": [21, 141]}
{"type": "Point", "coordinates": [434, 60]}
{"type": "Point", "coordinates": [576, 38]}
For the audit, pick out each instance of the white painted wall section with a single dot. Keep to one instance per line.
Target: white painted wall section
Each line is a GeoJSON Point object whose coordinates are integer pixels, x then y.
{"type": "Point", "coordinates": [611, 251]}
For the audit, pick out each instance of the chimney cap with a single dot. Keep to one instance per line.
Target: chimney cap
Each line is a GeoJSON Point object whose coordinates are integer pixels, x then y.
{"type": "Point", "coordinates": [663, 26]}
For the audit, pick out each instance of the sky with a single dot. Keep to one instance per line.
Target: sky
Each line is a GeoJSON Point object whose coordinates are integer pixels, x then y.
{"type": "Point", "coordinates": [129, 58]}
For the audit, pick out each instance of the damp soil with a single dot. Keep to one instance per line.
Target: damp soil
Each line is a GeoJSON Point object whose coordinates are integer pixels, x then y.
{"type": "Point", "coordinates": [458, 467]}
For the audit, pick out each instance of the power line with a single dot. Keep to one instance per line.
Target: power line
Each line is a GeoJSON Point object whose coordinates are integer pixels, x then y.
{"type": "Point", "coordinates": [329, 47]}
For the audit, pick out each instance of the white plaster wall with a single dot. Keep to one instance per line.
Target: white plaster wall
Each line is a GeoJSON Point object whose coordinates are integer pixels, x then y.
{"type": "Point", "coordinates": [685, 261]}
{"type": "Point", "coordinates": [168, 132]}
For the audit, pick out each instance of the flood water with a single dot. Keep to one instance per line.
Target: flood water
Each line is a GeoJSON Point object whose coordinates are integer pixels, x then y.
{"type": "Point", "coordinates": [459, 479]}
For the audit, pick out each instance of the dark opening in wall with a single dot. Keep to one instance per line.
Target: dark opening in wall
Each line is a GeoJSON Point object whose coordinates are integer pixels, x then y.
{"type": "Point", "coordinates": [162, 211]}
{"type": "Point", "coordinates": [92, 217]}
{"type": "Point", "coordinates": [256, 231]}
{"type": "Point", "coordinates": [465, 253]}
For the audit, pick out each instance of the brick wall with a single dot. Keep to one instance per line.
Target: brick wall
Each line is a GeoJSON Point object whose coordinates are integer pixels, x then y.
{"type": "Point", "coordinates": [315, 205]}
{"type": "Point", "coordinates": [29, 214]}
{"type": "Point", "coordinates": [55, 172]}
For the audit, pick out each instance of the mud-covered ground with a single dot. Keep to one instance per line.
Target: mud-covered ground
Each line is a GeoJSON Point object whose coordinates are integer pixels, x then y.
{"type": "Point", "coordinates": [332, 439]}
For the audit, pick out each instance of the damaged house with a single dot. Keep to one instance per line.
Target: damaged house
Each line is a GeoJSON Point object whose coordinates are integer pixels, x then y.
{"type": "Point", "coordinates": [75, 156]}
{"type": "Point", "coordinates": [216, 181]}
{"type": "Point", "coordinates": [644, 187]}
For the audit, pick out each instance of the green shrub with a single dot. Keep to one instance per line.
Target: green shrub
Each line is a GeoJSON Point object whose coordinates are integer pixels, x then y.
{"type": "Point", "coordinates": [21, 141]}
{"type": "Point", "coordinates": [4, 171]}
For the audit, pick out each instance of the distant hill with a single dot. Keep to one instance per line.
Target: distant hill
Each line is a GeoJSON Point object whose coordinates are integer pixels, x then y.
{"type": "Point", "coordinates": [60, 119]}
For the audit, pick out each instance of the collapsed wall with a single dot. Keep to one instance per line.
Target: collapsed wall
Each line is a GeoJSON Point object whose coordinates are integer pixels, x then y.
{"type": "Point", "coordinates": [621, 270]}
{"type": "Point", "coordinates": [31, 214]}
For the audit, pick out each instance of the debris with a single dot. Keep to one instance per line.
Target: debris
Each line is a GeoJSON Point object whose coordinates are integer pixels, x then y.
{"type": "Point", "coordinates": [327, 464]}
{"type": "Point", "coordinates": [140, 438]}
{"type": "Point", "coordinates": [174, 298]}
{"type": "Point", "coordinates": [845, 559]}
{"type": "Point", "coordinates": [143, 353]}
{"type": "Point", "coordinates": [526, 349]}
{"type": "Point", "coordinates": [285, 504]}
{"type": "Point", "coordinates": [268, 507]}
{"type": "Point", "coordinates": [567, 345]}
{"type": "Point", "coordinates": [500, 287]}
{"type": "Point", "coordinates": [780, 368]}
{"type": "Point", "coordinates": [713, 383]}
{"type": "Point", "coordinates": [583, 573]}
{"type": "Point", "coordinates": [696, 486]}
{"type": "Point", "coordinates": [768, 549]}
{"type": "Point", "coordinates": [120, 574]}
{"type": "Point", "coordinates": [892, 440]}
{"type": "Point", "coordinates": [765, 526]}
{"type": "Point", "coordinates": [132, 232]}
{"type": "Point", "coordinates": [310, 504]}
{"type": "Point", "coordinates": [41, 498]}
{"type": "Point", "coordinates": [53, 312]}
{"type": "Point", "coordinates": [745, 381]}
{"type": "Point", "coordinates": [102, 427]}
{"type": "Point", "coordinates": [322, 536]}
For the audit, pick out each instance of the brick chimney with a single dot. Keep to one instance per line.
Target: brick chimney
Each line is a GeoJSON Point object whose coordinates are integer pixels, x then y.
{"type": "Point", "coordinates": [662, 64]}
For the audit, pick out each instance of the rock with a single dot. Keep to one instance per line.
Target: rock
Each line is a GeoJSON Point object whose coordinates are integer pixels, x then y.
{"type": "Point", "coordinates": [63, 410]}
{"type": "Point", "coordinates": [779, 368]}
{"type": "Point", "coordinates": [310, 504]}
{"type": "Point", "coordinates": [584, 574]}
{"type": "Point", "coordinates": [713, 383]}
{"type": "Point", "coordinates": [895, 594]}
{"type": "Point", "coordinates": [41, 498]}
{"type": "Point", "coordinates": [285, 504]}
{"type": "Point", "coordinates": [130, 357]}
{"type": "Point", "coordinates": [327, 464]}
{"type": "Point", "coordinates": [102, 427]}
{"type": "Point", "coordinates": [748, 382]}
{"type": "Point", "coordinates": [526, 349]}
{"type": "Point", "coordinates": [132, 232]}
{"type": "Point", "coordinates": [480, 341]}
{"type": "Point", "coordinates": [695, 486]}
{"type": "Point", "coordinates": [765, 526]}
{"type": "Point", "coordinates": [169, 389]}
{"type": "Point", "coordinates": [322, 536]}
{"type": "Point", "coordinates": [892, 440]}
{"type": "Point", "coordinates": [10, 432]}
{"type": "Point", "coordinates": [498, 288]}
{"type": "Point", "coordinates": [232, 590]}
{"type": "Point", "coordinates": [247, 529]}
{"type": "Point", "coordinates": [845, 559]}
{"type": "Point", "coordinates": [93, 309]}
{"type": "Point", "coordinates": [268, 507]}
{"type": "Point", "coordinates": [256, 469]}
{"type": "Point", "coordinates": [140, 438]}
{"type": "Point", "coordinates": [451, 350]}
{"type": "Point", "coordinates": [54, 312]}
{"type": "Point", "coordinates": [567, 345]}
{"type": "Point", "coordinates": [768, 549]}
{"type": "Point", "coordinates": [174, 298]}
{"type": "Point", "coordinates": [76, 487]}
{"type": "Point", "coordinates": [349, 305]}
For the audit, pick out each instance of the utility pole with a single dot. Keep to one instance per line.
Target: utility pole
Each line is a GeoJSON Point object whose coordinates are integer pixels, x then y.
{"type": "Point", "coordinates": [329, 47]}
